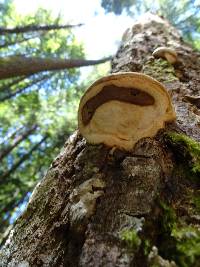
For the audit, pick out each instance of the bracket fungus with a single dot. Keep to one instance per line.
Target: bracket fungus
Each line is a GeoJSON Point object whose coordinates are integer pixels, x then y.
{"type": "Point", "coordinates": [167, 53]}
{"type": "Point", "coordinates": [122, 108]}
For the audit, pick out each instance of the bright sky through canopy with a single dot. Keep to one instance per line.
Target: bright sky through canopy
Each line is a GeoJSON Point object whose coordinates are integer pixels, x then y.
{"type": "Point", "coordinates": [101, 33]}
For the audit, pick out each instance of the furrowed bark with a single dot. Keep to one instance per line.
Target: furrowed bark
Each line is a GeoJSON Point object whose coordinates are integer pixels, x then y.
{"type": "Point", "coordinates": [35, 28]}
{"type": "Point", "coordinates": [5, 151]}
{"type": "Point", "coordinates": [19, 65]}
{"type": "Point", "coordinates": [96, 207]}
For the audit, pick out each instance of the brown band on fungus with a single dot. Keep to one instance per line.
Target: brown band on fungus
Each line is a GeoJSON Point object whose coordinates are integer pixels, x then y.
{"type": "Point", "coordinates": [113, 92]}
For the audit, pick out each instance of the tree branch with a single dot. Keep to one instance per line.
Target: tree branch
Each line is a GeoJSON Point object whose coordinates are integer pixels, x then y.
{"type": "Point", "coordinates": [14, 66]}
{"type": "Point", "coordinates": [25, 39]}
{"type": "Point", "coordinates": [11, 135]}
{"type": "Point", "coordinates": [22, 89]}
{"type": "Point", "coordinates": [33, 28]}
{"type": "Point", "coordinates": [17, 141]}
{"type": "Point", "coordinates": [7, 174]}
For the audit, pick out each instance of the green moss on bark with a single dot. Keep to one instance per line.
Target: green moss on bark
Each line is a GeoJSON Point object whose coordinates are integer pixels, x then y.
{"type": "Point", "coordinates": [161, 70]}
{"type": "Point", "coordinates": [196, 202]}
{"type": "Point", "coordinates": [181, 242]}
{"type": "Point", "coordinates": [187, 244]}
{"type": "Point", "coordinates": [187, 148]}
{"type": "Point", "coordinates": [131, 239]}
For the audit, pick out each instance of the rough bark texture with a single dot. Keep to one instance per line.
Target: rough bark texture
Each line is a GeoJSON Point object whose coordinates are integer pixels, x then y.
{"type": "Point", "coordinates": [14, 66]}
{"type": "Point", "coordinates": [96, 207]}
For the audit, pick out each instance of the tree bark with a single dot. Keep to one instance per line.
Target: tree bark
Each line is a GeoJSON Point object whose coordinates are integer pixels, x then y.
{"type": "Point", "coordinates": [5, 151]}
{"type": "Point", "coordinates": [97, 208]}
{"type": "Point", "coordinates": [35, 28]}
{"type": "Point", "coordinates": [14, 66]}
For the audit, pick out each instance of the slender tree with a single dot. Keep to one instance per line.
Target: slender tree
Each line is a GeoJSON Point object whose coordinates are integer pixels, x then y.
{"type": "Point", "coordinates": [11, 135]}
{"type": "Point", "coordinates": [17, 41]}
{"type": "Point", "coordinates": [10, 84]}
{"type": "Point", "coordinates": [35, 28]}
{"type": "Point", "coordinates": [10, 93]}
{"type": "Point", "coordinates": [20, 138]}
{"type": "Point", "coordinates": [5, 176]}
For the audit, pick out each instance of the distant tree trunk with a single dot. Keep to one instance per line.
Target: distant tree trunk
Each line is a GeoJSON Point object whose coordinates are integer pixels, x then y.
{"type": "Point", "coordinates": [35, 28]}
{"type": "Point", "coordinates": [14, 66]}
{"type": "Point", "coordinates": [5, 176]}
{"type": "Point", "coordinates": [5, 151]}
{"type": "Point", "coordinates": [13, 82]}
{"type": "Point", "coordinates": [10, 93]}
{"type": "Point", "coordinates": [95, 208]}
{"type": "Point", "coordinates": [11, 135]}
{"type": "Point", "coordinates": [19, 41]}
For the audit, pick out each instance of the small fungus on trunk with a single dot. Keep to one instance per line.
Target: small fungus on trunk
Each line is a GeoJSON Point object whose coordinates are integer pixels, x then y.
{"type": "Point", "coordinates": [122, 108]}
{"type": "Point", "coordinates": [167, 53]}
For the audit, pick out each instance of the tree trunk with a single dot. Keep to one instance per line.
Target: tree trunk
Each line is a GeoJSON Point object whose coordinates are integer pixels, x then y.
{"type": "Point", "coordinates": [13, 82]}
{"type": "Point", "coordinates": [9, 94]}
{"type": "Point", "coordinates": [5, 176]}
{"type": "Point", "coordinates": [14, 66]}
{"type": "Point", "coordinates": [20, 138]}
{"type": "Point", "coordinates": [11, 135]}
{"type": "Point", "coordinates": [35, 28]}
{"type": "Point", "coordinates": [19, 41]}
{"type": "Point", "coordinates": [96, 208]}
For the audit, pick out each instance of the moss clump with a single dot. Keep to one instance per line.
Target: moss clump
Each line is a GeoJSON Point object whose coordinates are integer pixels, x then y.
{"type": "Point", "coordinates": [196, 202]}
{"type": "Point", "coordinates": [169, 218]}
{"type": "Point", "coordinates": [187, 245]}
{"type": "Point", "coordinates": [146, 247]}
{"type": "Point", "coordinates": [131, 239]}
{"type": "Point", "coordinates": [179, 242]}
{"type": "Point", "coordinates": [161, 70]}
{"type": "Point", "coordinates": [189, 148]}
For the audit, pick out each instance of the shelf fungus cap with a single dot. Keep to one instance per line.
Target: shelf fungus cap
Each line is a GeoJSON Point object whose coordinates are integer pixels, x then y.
{"type": "Point", "coordinates": [166, 52]}
{"type": "Point", "coordinates": [122, 108]}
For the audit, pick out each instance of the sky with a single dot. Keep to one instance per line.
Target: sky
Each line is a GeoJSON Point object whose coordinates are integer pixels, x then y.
{"type": "Point", "coordinates": [101, 33]}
